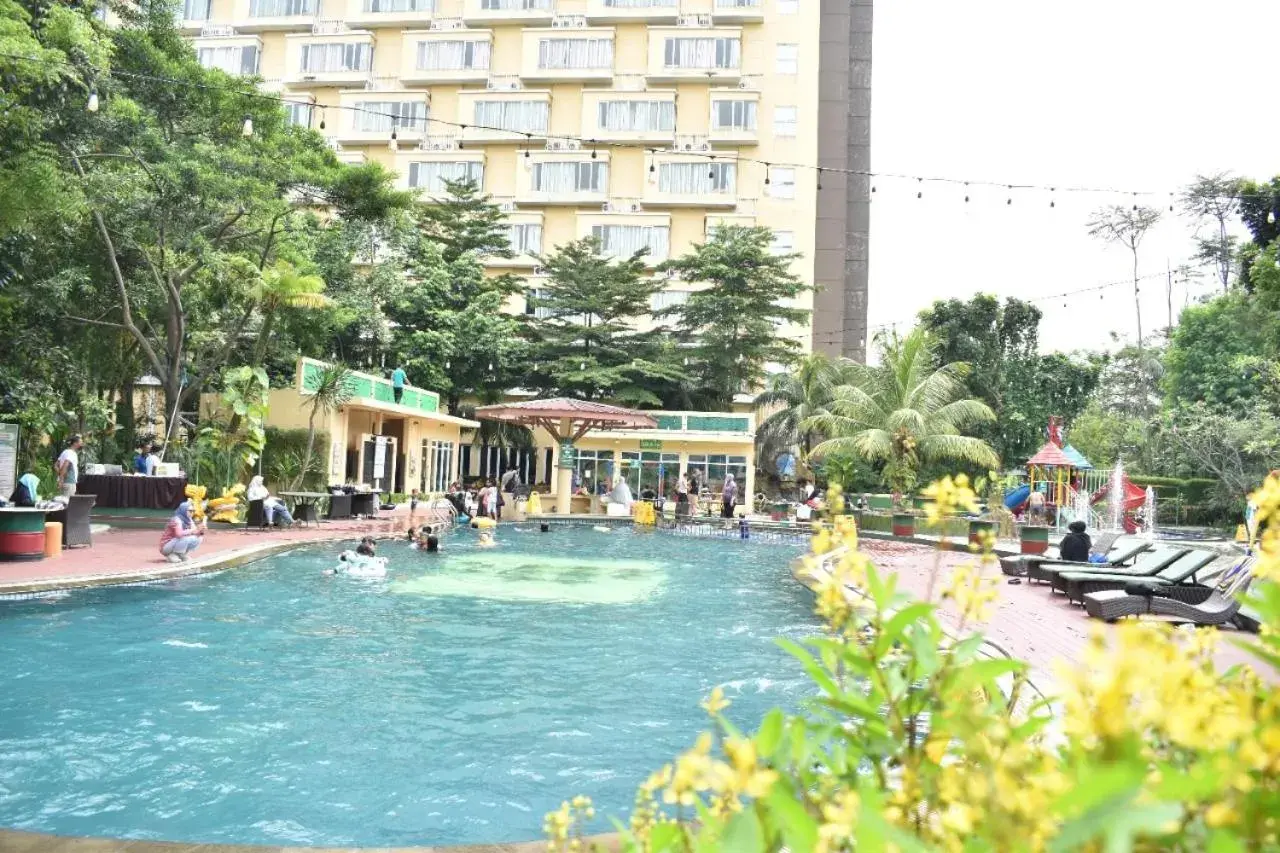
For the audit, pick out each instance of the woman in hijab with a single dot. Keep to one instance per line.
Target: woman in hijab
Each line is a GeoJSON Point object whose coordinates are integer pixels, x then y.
{"type": "Point", "coordinates": [181, 535]}
{"type": "Point", "coordinates": [621, 493]}
{"type": "Point", "coordinates": [729, 495]}
{"type": "Point", "coordinates": [27, 492]}
{"type": "Point", "coordinates": [271, 507]}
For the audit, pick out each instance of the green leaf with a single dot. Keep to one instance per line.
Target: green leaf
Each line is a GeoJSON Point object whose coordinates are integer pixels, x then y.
{"type": "Point", "coordinates": [892, 631]}
{"type": "Point", "coordinates": [665, 836]}
{"type": "Point", "coordinates": [798, 828]}
{"type": "Point", "coordinates": [770, 732]}
{"type": "Point", "coordinates": [811, 666]}
{"type": "Point", "coordinates": [1223, 841]}
{"type": "Point", "coordinates": [744, 834]}
{"type": "Point", "coordinates": [1100, 802]}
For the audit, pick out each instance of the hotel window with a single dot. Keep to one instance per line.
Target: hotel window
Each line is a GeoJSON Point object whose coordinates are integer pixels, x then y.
{"type": "Point", "coordinates": [702, 53]}
{"type": "Point", "coordinates": [399, 5]}
{"type": "Point", "coordinates": [651, 470]}
{"type": "Point", "coordinates": [788, 59]}
{"type": "Point", "coordinates": [453, 55]}
{"type": "Point", "coordinates": [531, 307]}
{"type": "Point", "coordinates": [381, 116]}
{"type": "Point", "coordinates": [638, 115]}
{"type": "Point", "coordinates": [784, 121]}
{"type": "Point", "coordinates": [664, 299]}
{"type": "Point", "coordinates": [573, 53]}
{"type": "Point", "coordinates": [431, 176]}
{"type": "Point", "coordinates": [514, 5]}
{"type": "Point", "coordinates": [591, 177]}
{"type": "Point", "coordinates": [337, 57]}
{"type": "Point", "coordinates": [280, 8]}
{"type": "Point", "coordinates": [788, 7]}
{"type": "Point", "coordinates": [733, 115]}
{"type": "Point", "coordinates": [696, 178]}
{"type": "Point", "coordinates": [593, 471]}
{"type": "Point", "coordinates": [518, 116]}
{"type": "Point", "coordinates": [782, 182]}
{"type": "Point", "coordinates": [737, 4]}
{"type": "Point", "coordinates": [711, 470]}
{"type": "Point", "coordinates": [241, 59]}
{"type": "Point", "coordinates": [623, 241]}
{"type": "Point", "coordinates": [525, 238]}
{"type": "Point", "coordinates": [437, 465]}
{"type": "Point", "coordinates": [639, 4]}
{"type": "Point", "coordinates": [298, 115]}
{"type": "Point", "coordinates": [783, 243]}
{"type": "Point", "coordinates": [194, 10]}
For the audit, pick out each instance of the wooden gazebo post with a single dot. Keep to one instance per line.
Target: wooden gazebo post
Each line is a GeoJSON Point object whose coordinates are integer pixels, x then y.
{"type": "Point", "coordinates": [566, 420]}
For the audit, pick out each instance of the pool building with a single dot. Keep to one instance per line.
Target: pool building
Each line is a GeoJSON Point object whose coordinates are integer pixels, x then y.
{"type": "Point", "coordinates": [413, 444]}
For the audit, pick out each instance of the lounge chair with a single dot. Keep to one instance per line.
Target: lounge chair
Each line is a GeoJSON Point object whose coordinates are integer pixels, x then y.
{"type": "Point", "coordinates": [1202, 605]}
{"type": "Point", "coordinates": [1181, 568]}
{"type": "Point", "coordinates": [1122, 551]}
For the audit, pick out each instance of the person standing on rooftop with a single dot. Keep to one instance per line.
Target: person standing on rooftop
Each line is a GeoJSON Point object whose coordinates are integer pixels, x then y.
{"type": "Point", "coordinates": [398, 379]}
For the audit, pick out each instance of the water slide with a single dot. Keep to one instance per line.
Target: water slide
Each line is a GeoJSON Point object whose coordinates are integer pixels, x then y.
{"type": "Point", "coordinates": [1017, 497]}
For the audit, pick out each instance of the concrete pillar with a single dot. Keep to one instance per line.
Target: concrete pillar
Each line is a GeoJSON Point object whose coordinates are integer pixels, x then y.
{"type": "Point", "coordinates": [564, 476]}
{"type": "Point", "coordinates": [747, 497]}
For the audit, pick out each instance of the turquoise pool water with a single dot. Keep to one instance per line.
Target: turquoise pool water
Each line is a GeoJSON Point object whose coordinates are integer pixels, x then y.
{"type": "Point", "coordinates": [455, 702]}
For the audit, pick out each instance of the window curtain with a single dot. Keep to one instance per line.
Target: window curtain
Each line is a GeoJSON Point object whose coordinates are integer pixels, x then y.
{"type": "Point", "coordinates": [298, 115]}
{"type": "Point", "coordinates": [702, 53]}
{"type": "Point", "coordinates": [514, 5]}
{"type": "Point", "coordinates": [575, 53]}
{"type": "Point", "coordinates": [196, 10]}
{"type": "Point", "coordinates": [570, 177]}
{"type": "Point", "coordinates": [276, 8]}
{"type": "Point", "coordinates": [380, 116]}
{"type": "Point", "coordinates": [233, 60]}
{"type": "Point", "coordinates": [519, 116]}
{"type": "Point", "coordinates": [696, 178]}
{"type": "Point", "coordinates": [431, 176]}
{"type": "Point", "coordinates": [638, 115]}
{"type": "Point", "coordinates": [336, 57]}
{"type": "Point", "coordinates": [623, 241]}
{"type": "Point", "coordinates": [399, 5]}
{"type": "Point", "coordinates": [737, 4]}
{"type": "Point", "coordinates": [525, 238]}
{"type": "Point", "coordinates": [667, 298]}
{"type": "Point", "coordinates": [733, 115]}
{"type": "Point", "coordinates": [453, 55]}
{"type": "Point", "coordinates": [640, 4]}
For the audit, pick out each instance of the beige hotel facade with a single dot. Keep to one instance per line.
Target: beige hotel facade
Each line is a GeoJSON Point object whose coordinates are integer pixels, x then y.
{"type": "Point", "coordinates": [622, 119]}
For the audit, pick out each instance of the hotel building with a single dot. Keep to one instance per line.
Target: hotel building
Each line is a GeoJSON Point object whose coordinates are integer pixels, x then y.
{"type": "Point", "coordinates": [645, 123]}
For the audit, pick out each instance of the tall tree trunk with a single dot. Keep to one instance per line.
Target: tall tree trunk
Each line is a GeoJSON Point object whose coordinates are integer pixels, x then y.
{"type": "Point", "coordinates": [1137, 300]}
{"type": "Point", "coordinates": [311, 446]}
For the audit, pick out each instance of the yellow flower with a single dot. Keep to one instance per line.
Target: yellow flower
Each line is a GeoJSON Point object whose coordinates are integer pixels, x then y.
{"type": "Point", "coordinates": [716, 702]}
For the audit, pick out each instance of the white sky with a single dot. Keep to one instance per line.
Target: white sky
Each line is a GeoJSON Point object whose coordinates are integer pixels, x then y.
{"type": "Point", "coordinates": [1134, 94]}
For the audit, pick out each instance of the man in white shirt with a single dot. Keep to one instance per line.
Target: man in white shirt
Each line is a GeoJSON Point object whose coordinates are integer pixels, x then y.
{"type": "Point", "coordinates": [153, 460]}
{"type": "Point", "coordinates": [68, 467]}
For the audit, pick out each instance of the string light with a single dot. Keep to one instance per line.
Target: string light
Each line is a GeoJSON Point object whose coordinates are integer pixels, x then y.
{"type": "Point", "coordinates": [920, 185]}
{"type": "Point", "coordinates": [247, 128]}
{"type": "Point", "coordinates": [966, 192]}
{"type": "Point", "coordinates": [1052, 202]}
{"type": "Point", "coordinates": [1009, 200]}
{"type": "Point", "coordinates": [92, 105]}
{"type": "Point", "coordinates": [322, 118]}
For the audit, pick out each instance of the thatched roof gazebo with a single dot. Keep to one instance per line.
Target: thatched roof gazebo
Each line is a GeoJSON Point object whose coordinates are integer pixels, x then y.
{"type": "Point", "coordinates": [567, 420]}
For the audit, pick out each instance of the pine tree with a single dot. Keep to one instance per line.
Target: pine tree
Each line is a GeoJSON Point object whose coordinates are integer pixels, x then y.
{"type": "Point", "coordinates": [732, 326]}
{"type": "Point", "coordinates": [586, 343]}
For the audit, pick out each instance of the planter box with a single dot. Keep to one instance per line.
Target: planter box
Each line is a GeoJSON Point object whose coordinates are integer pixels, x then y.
{"type": "Point", "coordinates": [904, 524]}
{"type": "Point", "coordinates": [979, 528]}
{"type": "Point", "coordinates": [1034, 538]}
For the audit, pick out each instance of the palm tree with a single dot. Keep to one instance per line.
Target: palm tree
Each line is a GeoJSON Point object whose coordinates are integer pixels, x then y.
{"type": "Point", "coordinates": [330, 391]}
{"type": "Point", "coordinates": [905, 413]}
{"type": "Point", "coordinates": [283, 286]}
{"type": "Point", "coordinates": [794, 397]}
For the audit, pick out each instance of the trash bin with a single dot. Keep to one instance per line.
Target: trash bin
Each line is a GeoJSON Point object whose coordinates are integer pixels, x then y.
{"type": "Point", "coordinates": [52, 539]}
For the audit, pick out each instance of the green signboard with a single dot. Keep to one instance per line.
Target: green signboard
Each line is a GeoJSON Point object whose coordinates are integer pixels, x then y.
{"type": "Point", "coordinates": [650, 444]}
{"type": "Point", "coordinates": [568, 456]}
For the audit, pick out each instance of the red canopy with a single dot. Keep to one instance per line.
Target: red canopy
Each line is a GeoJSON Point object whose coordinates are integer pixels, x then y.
{"type": "Point", "coordinates": [1051, 455]}
{"type": "Point", "coordinates": [584, 415]}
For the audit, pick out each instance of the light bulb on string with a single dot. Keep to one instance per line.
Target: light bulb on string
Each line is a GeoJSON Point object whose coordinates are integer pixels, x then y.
{"type": "Point", "coordinates": [1271, 217]}
{"type": "Point", "coordinates": [92, 105]}
{"type": "Point", "coordinates": [491, 367]}
{"type": "Point", "coordinates": [246, 129]}
{"type": "Point", "coordinates": [1052, 203]}
{"type": "Point", "coordinates": [1170, 202]}
{"type": "Point", "coordinates": [322, 118]}
{"type": "Point", "coordinates": [1135, 201]}
{"type": "Point", "coordinates": [1009, 200]}
{"type": "Point", "coordinates": [819, 177]}
{"type": "Point", "coordinates": [966, 192]}
{"type": "Point", "coordinates": [919, 187]}
{"type": "Point", "coordinates": [447, 364]}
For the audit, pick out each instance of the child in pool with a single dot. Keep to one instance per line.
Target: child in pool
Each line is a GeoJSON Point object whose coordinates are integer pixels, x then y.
{"type": "Point", "coordinates": [486, 539]}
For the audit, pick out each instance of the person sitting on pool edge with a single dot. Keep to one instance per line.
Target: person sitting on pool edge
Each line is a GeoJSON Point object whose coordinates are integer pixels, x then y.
{"type": "Point", "coordinates": [181, 535]}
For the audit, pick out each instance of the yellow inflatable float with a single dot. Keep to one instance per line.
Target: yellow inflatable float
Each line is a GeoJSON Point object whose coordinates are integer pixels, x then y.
{"type": "Point", "coordinates": [644, 513]}
{"type": "Point", "coordinates": [226, 507]}
{"type": "Point", "coordinates": [534, 506]}
{"type": "Point", "coordinates": [196, 493]}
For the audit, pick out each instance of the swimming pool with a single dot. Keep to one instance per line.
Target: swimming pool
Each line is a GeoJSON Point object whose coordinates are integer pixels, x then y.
{"type": "Point", "coordinates": [455, 702]}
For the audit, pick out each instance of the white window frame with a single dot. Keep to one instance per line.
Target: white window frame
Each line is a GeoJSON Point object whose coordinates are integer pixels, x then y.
{"type": "Point", "coordinates": [782, 243]}
{"type": "Point", "coordinates": [695, 178]}
{"type": "Point", "coordinates": [664, 299]}
{"type": "Point", "coordinates": [787, 59]}
{"type": "Point", "coordinates": [354, 56]}
{"type": "Point", "coordinates": [725, 53]}
{"type": "Point", "coordinates": [509, 117]}
{"type": "Point", "coordinates": [659, 116]}
{"type": "Point", "coordinates": [381, 116]}
{"type": "Point", "coordinates": [472, 54]}
{"type": "Point", "coordinates": [743, 115]}
{"type": "Point", "coordinates": [281, 8]}
{"type": "Point", "coordinates": [587, 176]}
{"type": "Point", "coordinates": [782, 182]}
{"type": "Point", "coordinates": [525, 237]}
{"type": "Point", "coordinates": [653, 234]}
{"type": "Point", "coordinates": [473, 169]}
{"type": "Point", "coordinates": [557, 53]}
{"type": "Point", "coordinates": [786, 121]}
{"type": "Point", "coordinates": [788, 7]}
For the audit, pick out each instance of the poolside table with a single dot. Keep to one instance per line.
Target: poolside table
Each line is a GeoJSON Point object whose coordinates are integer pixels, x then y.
{"type": "Point", "coordinates": [133, 491]}
{"type": "Point", "coordinates": [22, 533]}
{"type": "Point", "coordinates": [305, 505]}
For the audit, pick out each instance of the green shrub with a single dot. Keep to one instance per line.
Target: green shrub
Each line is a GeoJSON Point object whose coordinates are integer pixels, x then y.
{"type": "Point", "coordinates": [282, 459]}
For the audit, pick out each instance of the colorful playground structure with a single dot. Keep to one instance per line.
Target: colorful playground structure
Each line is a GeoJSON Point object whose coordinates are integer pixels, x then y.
{"type": "Point", "coordinates": [1071, 487]}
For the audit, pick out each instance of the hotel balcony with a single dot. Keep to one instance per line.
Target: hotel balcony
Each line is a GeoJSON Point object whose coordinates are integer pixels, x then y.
{"type": "Point", "coordinates": [339, 58]}
{"type": "Point", "coordinates": [567, 53]}
{"type": "Point", "coordinates": [738, 11]}
{"type": "Point", "coordinates": [619, 115]}
{"type": "Point", "coordinates": [192, 16]}
{"type": "Point", "coordinates": [368, 117]}
{"type": "Point", "coordinates": [504, 114]}
{"type": "Point", "coordinates": [563, 178]}
{"type": "Point", "coordinates": [735, 115]}
{"type": "Point", "coordinates": [622, 11]}
{"type": "Point", "coordinates": [709, 53]}
{"type": "Point", "coordinates": [682, 180]}
{"type": "Point", "coordinates": [527, 12]}
{"type": "Point", "coordinates": [445, 56]}
{"type": "Point", "coordinates": [389, 13]}
{"type": "Point", "coordinates": [425, 169]}
{"type": "Point", "coordinates": [624, 229]}
{"type": "Point", "coordinates": [525, 234]}
{"type": "Point", "coordinates": [222, 48]}
{"type": "Point", "coordinates": [268, 15]}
